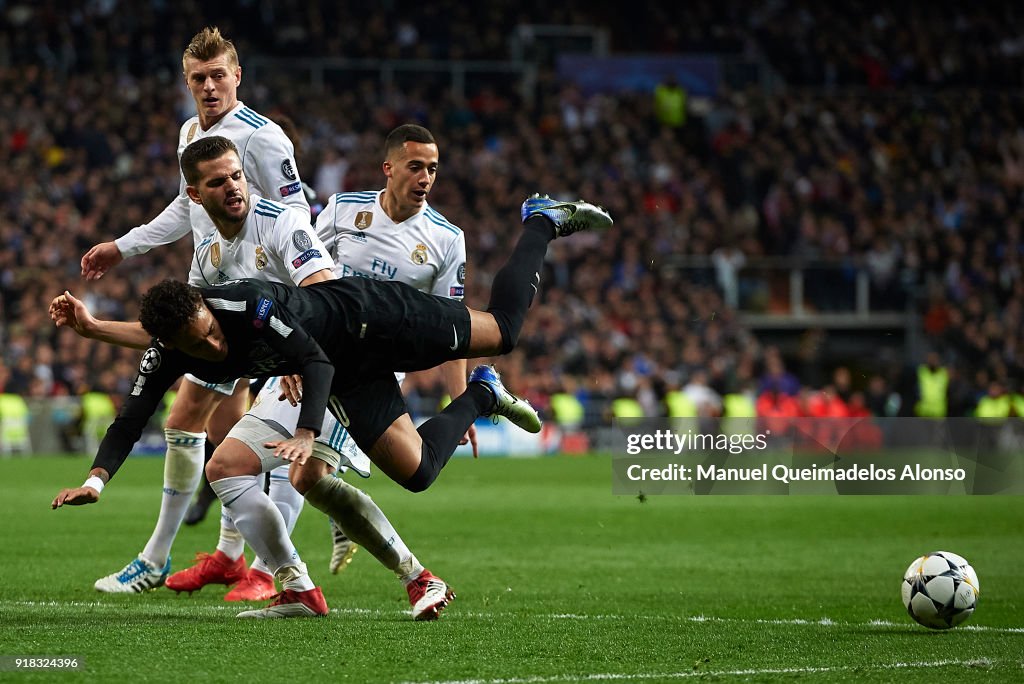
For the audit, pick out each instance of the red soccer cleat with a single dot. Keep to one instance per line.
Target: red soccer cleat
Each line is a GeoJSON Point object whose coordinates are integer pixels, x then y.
{"type": "Point", "coordinates": [255, 586]}
{"type": "Point", "coordinates": [208, 569]}
{"type": "Point", "coordinates": [290, 603]}
{"type": "Point", "coordinates": [428, 595]}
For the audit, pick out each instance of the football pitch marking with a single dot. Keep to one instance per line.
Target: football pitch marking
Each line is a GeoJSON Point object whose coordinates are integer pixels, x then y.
{"type": "Point", "coordinates": [752, 672]}
{"type": "Point", "coordinates": [164, 607]}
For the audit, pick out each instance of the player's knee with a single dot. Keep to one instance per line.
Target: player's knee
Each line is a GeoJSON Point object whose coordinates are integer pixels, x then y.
{"type": "Point", "coordinates": [215, 470]}
{"type": "Point", "coordinates": [304, 477]}
{"type": "Point", "coordinates": [509, 326]}
{"type": "Point", "coordinates": [425, 474]}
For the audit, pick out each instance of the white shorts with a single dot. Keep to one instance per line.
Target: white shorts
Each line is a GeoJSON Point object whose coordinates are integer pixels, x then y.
{"type": "Point", "coordinates": [254, 432]}
{"type": "Point", "coordinates": [227, 388]}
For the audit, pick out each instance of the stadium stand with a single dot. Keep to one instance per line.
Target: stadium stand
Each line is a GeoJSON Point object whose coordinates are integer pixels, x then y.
{"type": "Point", "coordinates": [878, 181]}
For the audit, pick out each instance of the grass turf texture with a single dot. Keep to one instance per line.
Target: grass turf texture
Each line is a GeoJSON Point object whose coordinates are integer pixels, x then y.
{"type": "Point", "coordinates": [557, 580]}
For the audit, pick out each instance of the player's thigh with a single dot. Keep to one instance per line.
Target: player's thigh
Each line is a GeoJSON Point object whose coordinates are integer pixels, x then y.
{"type": "Point", "coordinates": [251, 434]}
{"type": "Point", "coordinates": [193, 406]}
{"type": "Point", "coordinates": [228, 412]}
{"type": "Point", "coordinates": [398, 451]}
{"type": "Point", "coordinates": [233, 458]}
{"type": "Point", "coordinates": [370, 409]}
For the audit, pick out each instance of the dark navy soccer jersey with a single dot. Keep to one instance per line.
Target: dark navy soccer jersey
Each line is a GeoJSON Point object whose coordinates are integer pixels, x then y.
{"type": "Point", "coordinates": [361, 328]}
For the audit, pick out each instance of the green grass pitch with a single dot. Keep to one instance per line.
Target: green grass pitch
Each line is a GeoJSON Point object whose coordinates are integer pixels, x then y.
{"type": "Point", "coordinates": [557, 580]}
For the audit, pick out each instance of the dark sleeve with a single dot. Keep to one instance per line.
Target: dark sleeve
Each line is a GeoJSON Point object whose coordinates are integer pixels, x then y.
{"type": "Point", "coordinates": [297, 347]}
{"type": "Point", "coordinates": [157, 372]}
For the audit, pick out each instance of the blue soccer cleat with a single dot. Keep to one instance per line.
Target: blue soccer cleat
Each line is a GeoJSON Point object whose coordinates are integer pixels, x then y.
{"type": "Point", "coordinates": [136, 577]}
{"type": "Point", "coordinates": [506, 404]}
{"type": "Point", "coordinates": [568, 217]}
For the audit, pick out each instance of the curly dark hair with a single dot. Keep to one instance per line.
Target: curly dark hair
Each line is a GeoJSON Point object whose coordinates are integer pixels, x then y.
{"type": "Point", "coordinates": [168, 307]}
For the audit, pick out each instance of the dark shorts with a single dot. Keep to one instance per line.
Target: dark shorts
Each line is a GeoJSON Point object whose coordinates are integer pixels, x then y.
{"type": "Point", "coordinates": [399, 328]}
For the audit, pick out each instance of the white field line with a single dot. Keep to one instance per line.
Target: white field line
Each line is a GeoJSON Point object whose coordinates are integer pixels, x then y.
{"type": "Point", "coordinates": [819, 622]}
{"type": "Point", "coordinates": [754, 672]}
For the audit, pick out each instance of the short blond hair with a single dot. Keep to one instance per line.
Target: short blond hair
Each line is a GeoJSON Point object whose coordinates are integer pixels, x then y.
{"type": "Point", "coordinates": [208, 44]}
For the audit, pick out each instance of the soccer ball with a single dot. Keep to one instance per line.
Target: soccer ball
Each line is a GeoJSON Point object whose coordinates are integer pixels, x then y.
{"type": "Point", "coordinates": [940, 590]}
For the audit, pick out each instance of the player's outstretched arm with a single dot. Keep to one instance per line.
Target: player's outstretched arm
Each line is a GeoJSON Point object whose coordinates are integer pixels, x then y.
{"type": "Point", "coordinates": [66, 310]}
{"type": "Point", "coordinates": [88, 493]}
{"type": "Point", "coordinates": [100, 259]}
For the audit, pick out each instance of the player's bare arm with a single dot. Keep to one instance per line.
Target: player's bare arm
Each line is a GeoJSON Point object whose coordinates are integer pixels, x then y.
{"type": "Point", "coordinates": [67, 310]}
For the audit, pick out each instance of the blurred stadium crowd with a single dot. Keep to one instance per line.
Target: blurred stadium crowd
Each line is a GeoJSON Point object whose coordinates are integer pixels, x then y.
{"type": "Point", "coordinates": [897, 148]}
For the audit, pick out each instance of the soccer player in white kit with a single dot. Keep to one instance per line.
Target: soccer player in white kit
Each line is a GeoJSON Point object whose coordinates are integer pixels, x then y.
{"type": "Point", "coordinates": [212, 74]}
{"type": "Point", "coordinates": [389, 234]}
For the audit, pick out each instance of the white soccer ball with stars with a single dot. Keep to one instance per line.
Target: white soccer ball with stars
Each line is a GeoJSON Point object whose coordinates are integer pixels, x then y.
{"type": "Point", "coordinates": [940, 590]}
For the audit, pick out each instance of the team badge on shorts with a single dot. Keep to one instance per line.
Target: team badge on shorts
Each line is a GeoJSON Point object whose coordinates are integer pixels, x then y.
{"type": "Point", "coordinates": [301, 240]}
{"type": "Point", "coordinates": [261, 258]}
{"type": "Point", "coordinates": [215, 254]}
{"type": "Point", "coordinates": [150, 361]}
{"type": "Point", "coordinates": [364, 219]}
{"type": "Point", "coordinates": [419, 255]}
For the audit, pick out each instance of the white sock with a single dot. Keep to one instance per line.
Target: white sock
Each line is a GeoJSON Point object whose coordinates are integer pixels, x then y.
{"type": "Point", "coordinates": [257, 518]}
{"type": "Point", "coordinates": [294, 576]}
{"type": "Point", "coordinates": [287, 500]}
{"type": "Point", "coordinates": [183, 468]}
{"type": "Point", "coordinates": [365, 524]}
{"type": "Point", "coordinates": [231, 543]}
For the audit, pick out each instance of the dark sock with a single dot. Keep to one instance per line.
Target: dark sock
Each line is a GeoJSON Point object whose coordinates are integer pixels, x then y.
{"type": "Point", "coordinates": [206, 493]}
{"type": "Point", "coordinates": [516, 283]}
{"type": "Point", "coordinates": [441, 434]}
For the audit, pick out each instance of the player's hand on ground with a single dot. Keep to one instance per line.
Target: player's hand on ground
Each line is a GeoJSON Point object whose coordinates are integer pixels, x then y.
{"type": "Point", "coordinates": [100, 259]}
{"type": "Point", "coordinates": [77, 496]}
{"type": "Point", "coordinates": [296, 449]}
{"type": "Point", "coordinates": [291, 389]}
{"type": "Point", "coordinates": [66, 310]}
{"type": "Point", "coordinates": [470, 438]}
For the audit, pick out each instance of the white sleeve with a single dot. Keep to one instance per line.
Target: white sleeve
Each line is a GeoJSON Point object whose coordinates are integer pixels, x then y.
{"type": "Point", "coordinates": [298, 247]}
{"type": "Point", "coordinates": [269, 163]}
{"type": "Point", "coordinates": [170, 225]}
{"type": "Point", "coordinates": [450, 280]}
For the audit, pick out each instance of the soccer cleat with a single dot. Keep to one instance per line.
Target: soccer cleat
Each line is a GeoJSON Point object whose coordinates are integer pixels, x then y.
{"type": "Point", "coordinates": [136, 577]}
{"type": "Point", "coordinates": [255, 586]}
{"type": "Point", "coordinates": [568, 217]}
{"type": "Point", "coordinates": [343, 549]}
{"type": "Point", "coordinates": [208, 569]}
{"type": "Point", "coordinates": [290, 603]}
{"type": "Point", "coordinates": [506, 404]}
{"type": "Point", "coordinates": [428, 595]}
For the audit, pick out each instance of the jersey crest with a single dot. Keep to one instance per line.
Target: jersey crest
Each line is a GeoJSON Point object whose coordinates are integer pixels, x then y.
{"type": "Point", "coordinates": [215, 254]}
{"type": "Point", "coordinates": [191, 132]}
{"type": "Point", "coordinates": [364, 219]}
{"type": "Point", "coordinates": [261, 258]}
{"type": "Point", "coordinates": [419, 255]}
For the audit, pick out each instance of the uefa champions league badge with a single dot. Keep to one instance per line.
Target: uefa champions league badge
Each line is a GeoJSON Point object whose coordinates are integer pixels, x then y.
{"type": "Point", "coordinates": [150, 361]}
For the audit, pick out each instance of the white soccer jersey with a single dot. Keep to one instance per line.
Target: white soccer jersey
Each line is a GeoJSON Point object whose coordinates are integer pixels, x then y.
{"type": "Point", "coordinates": [425, 251]}
{"type": "Point", "coordinates": [268, 160]}
{"type": "Point", "coordinates": [276, 243]}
